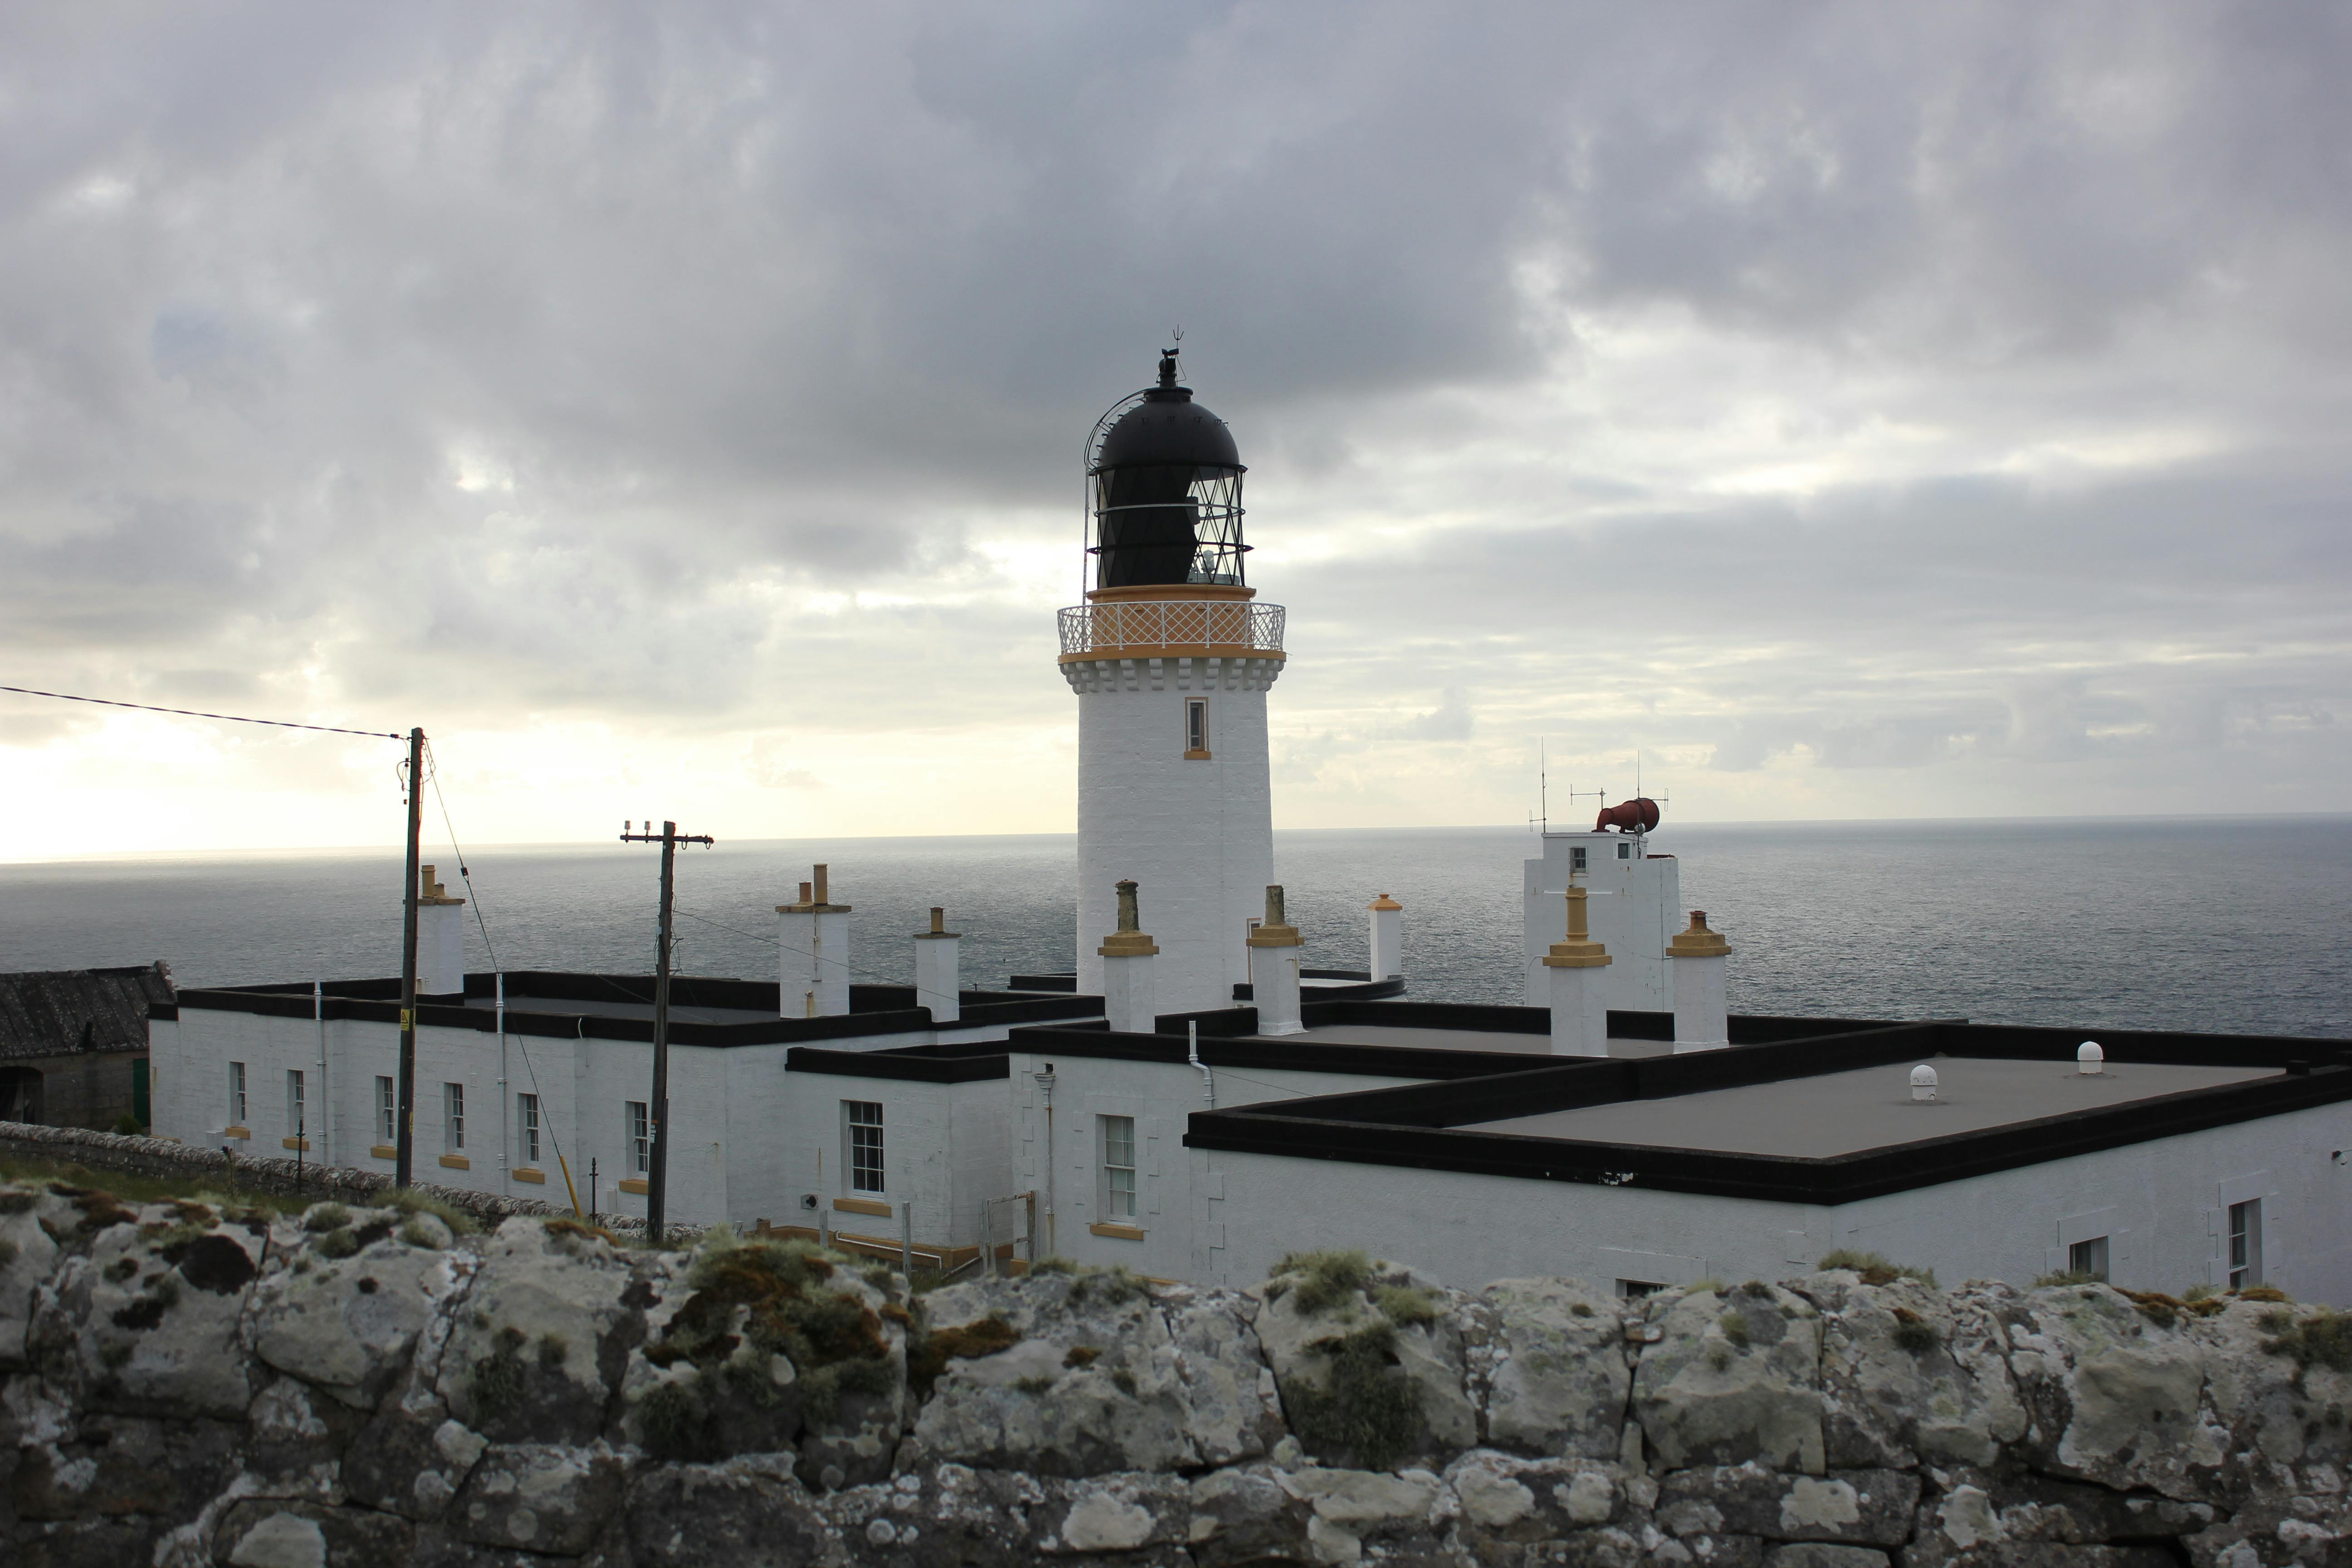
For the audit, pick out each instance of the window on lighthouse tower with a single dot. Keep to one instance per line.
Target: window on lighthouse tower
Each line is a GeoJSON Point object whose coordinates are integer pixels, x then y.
{"type": "Point", "coordinates": [1196, 727]}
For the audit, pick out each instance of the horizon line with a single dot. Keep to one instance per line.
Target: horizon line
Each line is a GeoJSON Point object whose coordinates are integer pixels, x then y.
{"type": "Point", "coordinates": [280, 852]}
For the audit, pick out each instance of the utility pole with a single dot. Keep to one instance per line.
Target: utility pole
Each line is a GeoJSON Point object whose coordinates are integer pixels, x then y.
{"type": "Point", "coordinates": [405, 1128]}
{"type": "Point", "coordinates": [658, 1178]}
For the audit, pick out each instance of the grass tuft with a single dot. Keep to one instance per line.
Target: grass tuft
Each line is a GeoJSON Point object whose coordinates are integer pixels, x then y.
{"type": "Point", "coordinates": [928, 1355]}
{"type": "Point", "coordinates": [2066, 1277]}
{"type": "Point", "coordinates": [1874, 1268]}
{"type": "Point", "coordinates": [2158, 1308]}
{"type": "Point", "coordinates": [1915, 1333]}
{"type": "Point", "coordinates": [1368, 1408]}
{"type": "Point", "coordinates": [1735, 1328]}
{"type": "Point", "coordinates": [1406, 1305]}
{"type": "Point", "coordinates": [326, 1217]}
{"type": "Point", "coordinates": [2324, 1339]}
{"type": "Point", "coordinates": [408, 1201]}
{"type": "Point", "coordinates": [834, 1342]}
{"type": "Point", "coordinates": [495, 1388]}
{"type": "Point", "coordinates": [1324, 1279]}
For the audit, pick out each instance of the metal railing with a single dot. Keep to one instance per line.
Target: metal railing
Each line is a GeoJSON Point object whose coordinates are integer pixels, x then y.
{"type": "Point", "coordinates": [1172, 622]}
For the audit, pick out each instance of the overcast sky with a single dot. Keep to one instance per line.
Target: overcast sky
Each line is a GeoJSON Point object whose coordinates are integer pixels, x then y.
{"type": "Point", "coordinates": [1855, 410]}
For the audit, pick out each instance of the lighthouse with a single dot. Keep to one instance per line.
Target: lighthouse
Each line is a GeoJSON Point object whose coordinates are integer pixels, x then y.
{"type": "Point", "coordinates": [1170, 657]}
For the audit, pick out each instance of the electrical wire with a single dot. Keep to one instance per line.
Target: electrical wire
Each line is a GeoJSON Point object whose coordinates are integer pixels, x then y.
{"type": "Point", "coordinates": [466, 875]}
{"type": "Point", "coordinates": [199, 713]}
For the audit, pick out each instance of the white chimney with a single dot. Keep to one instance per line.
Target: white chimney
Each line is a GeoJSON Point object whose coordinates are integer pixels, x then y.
{"type": "Point", "coordinates": [1388, 937]}
{"type": "Point", "coordinates": [1580, 1009]}
{"type": "Point", "coordinates": [813, 954]}
{"type": "Point", "coordinates": [440, 937]}
{"type": "Point", "coordinates": [1274, 949]}
{"type": "Point", "coordinates": [1702, 1017]}
{"type": "Point", "coordinates": [1131, 999]}
{"type": "Point", "coordinates": [1923, 1082]}
{"type": "Point", "coordinates": [2090, 1058]}
{"type": "Point", "coordinates": [939, 971]}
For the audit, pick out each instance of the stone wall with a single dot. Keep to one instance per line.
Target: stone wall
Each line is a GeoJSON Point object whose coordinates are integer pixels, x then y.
{"type": "Point", "coordinates": [180, 1385]}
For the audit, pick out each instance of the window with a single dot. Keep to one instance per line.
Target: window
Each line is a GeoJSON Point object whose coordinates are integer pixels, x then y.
{"type": "Point", "coordinates": [453, 1116]}
{"type": "Point", "coordinates": [385, 1111]}
{"type": "Point", "coordinates": [294, 1106]}
{"type": "Point", "coordinates": [236, 1094]}
{"type": "Point", "coordinates": [1576, 857]}
{"type": "Point", "coordinates": [640, 1139]}
{"type": "Point", "coordinates": [2088, 1257]}
{"type": "Point", "coordinates": [1634, 1289]}
{"type": "Point", "coordinates": [1117, 1166]}
{"type": "Point", "coordinates": [1196, 727]}
{"type": "Point", "coordinates": [863, 1120]}
{"type": "Point", "coordinates": [1624, 850]}
{"type": "Point", "coordinates": [526, 1120]}
{"type": "Point", "coordinates": [2245, 1243]}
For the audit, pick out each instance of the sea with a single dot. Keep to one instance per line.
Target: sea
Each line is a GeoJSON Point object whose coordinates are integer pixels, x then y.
{"type": "Point", "coordinates": [2219, 924]}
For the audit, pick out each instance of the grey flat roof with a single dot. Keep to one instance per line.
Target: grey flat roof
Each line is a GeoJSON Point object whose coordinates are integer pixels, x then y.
{"type": "Point", "coordinates": [1458, 1040]}
{"type": "Point", "coordinates": [1866, 1108]}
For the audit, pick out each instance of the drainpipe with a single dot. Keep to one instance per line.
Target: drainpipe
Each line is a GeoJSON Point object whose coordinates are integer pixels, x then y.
{"type": "Point", "coordinates": [506, 1100]}
{"type": "Point", "coordinates": [1045, 1089]}
{"type": "Point", "coordinates": [1192, 1056]}
{"type": "Point", "coordinates": [326, 1094]}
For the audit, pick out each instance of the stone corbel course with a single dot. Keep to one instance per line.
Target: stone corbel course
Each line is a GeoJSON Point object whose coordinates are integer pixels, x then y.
{"type": "Point", "coordinates": [182, 1384]}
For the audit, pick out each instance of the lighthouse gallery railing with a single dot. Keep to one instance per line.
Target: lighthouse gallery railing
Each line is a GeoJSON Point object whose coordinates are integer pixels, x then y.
{"type": "Point", "coordinates": [1185, 623]}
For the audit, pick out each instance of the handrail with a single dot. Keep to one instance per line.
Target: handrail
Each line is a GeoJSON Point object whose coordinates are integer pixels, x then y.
{"type": "Point", "coordinates": [1210, 623]}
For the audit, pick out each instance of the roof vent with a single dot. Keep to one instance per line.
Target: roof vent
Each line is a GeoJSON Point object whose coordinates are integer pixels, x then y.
{"type": "Point", "coordinates": [2090, 1058]}
{"type": "Point", "coordinates": [1923, 1082]}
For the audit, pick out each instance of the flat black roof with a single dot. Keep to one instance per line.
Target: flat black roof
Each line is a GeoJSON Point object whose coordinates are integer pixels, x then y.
{"type": "Point", "coordinates": [566, 1006]}
{"type": "Point", "coordinates": [1449, 1125]}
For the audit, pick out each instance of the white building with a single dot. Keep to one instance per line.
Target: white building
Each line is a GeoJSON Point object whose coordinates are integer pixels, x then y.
{"type": "Point", "coordinates": [1621, 1126]}
{"type": "Point", "coordinates": [537, 1084]}
{"type": "Point", "coordinates": [1171, 659]}
{"type": "Point", "coordinates": [1635, 909]}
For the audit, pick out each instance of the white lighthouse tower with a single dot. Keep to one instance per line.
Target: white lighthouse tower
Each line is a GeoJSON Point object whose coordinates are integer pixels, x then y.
{"type": "Point", "coordinates": [1171, 657]}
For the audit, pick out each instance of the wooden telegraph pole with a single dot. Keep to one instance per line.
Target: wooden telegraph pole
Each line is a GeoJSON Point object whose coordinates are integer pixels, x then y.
{"type": "Point", "coordinates": [658, 1178]}
{"type": "Point", "coordinates": [404, 1127]}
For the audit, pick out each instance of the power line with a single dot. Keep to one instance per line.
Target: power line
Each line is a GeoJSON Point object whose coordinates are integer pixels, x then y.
{"type": "Point", "coordinates": [199, 713]}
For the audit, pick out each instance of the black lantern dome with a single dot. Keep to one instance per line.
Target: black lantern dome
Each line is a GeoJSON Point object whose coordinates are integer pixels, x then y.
{"type": "Point", "coordinates": [1165, 483]}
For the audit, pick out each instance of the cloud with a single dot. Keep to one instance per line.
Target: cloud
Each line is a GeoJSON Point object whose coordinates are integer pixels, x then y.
{"type": "Point", "coordinates": [1928, 400]}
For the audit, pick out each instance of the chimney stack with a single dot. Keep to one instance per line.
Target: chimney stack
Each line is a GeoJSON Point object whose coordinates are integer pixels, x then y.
{"type": "Point", "coordinates": [813, 954]}
{"type": "Point", "coordinates": [1580, 1012]}
{"type": "Point", "coordinates": [1702, 1016]}
{"type": "Point", "coordinates": [1275, 949]}
{"type": "Point", "coordinates": [440, 937]}
{"type": "Point", "coordinates": [1130, 991]}
{"type": "Point", "coordinates": [1388, 937]}
{"type": "Point", "coordinates": [939, 971]}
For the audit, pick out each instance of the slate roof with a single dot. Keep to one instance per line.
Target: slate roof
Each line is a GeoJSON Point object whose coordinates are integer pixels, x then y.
{"type": "Point", "coordinates": [53, 1012]}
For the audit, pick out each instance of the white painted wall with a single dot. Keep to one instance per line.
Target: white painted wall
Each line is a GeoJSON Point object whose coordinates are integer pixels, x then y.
{"type": "Point", "coordinates": [939, 976]}
{"type": "Point", "coordinates": [1197, 835]}
{"type": "Point", "coordinates": [943, 1149]}
{"type": "Point", "coordinates": [441, 948]}
{"type": "Point", "coordinates": [813, 964]}
{"type": "Point", "coordinates": [1634, 911]}
{"type": "Point", "coordinates": [738, 1151]}
{"type": "Point", "coordinates": [2162, 1203]}
{"type": "Point", "coordinates": [1160, 1096]}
